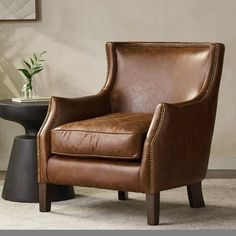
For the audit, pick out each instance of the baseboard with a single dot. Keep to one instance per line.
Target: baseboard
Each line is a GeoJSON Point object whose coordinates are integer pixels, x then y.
{"type": "Point", "coordinates": [221, 174]}
{"type": "Point", "coordinates": [2, 174]}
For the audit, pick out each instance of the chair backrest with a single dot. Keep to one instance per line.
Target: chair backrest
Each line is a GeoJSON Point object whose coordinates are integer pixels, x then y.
{"type": "Point", "coordinates": [142, 75]}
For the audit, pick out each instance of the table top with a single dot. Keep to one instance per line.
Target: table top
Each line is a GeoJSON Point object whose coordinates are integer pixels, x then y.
{"type": "Point", "coordinates": [9, 102]}
{"type": "Point", "coordinates": [23, 112]}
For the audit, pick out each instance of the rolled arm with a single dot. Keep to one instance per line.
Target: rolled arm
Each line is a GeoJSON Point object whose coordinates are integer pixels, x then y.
{"type": "Point", "coordinates": [177, 147]}
{"type": "Point", "coordinates": [64, 110]}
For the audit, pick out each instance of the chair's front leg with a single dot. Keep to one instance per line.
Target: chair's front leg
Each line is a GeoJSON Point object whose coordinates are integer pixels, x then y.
{"type": "Point", "coordinates": [153, 208]}
{"type": "Point", "coordinates": [195, 196]}
{"type": "Point", "coordinates": [44, 198]}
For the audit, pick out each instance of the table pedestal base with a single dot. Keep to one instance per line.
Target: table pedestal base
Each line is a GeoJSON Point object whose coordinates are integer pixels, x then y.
{"type": "Point", "coordinates": [21, 183]}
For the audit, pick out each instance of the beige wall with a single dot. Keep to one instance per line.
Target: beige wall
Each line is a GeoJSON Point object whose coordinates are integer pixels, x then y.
{"type": "Point", "coordinates": [74, 32]}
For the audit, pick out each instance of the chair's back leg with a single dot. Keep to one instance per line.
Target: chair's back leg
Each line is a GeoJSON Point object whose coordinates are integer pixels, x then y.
{"type": "Point", "coordinates": [44, 198]}
{"type": "Point", "coordinates": [122, 195]}
{"type": "Point", "coordinates": [153, 208]}
{"type": "Point", "coordinates": [195, 195]}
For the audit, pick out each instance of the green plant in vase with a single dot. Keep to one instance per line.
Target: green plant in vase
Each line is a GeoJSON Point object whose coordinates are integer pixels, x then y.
{"type": "Point", "coordinates": [32, 67]}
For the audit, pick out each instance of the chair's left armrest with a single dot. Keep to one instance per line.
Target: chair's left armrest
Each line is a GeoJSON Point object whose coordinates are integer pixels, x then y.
{"type": "Point", "coordinates": [64, 110]}
{"type": "Point", "coordinates": [177, 146]}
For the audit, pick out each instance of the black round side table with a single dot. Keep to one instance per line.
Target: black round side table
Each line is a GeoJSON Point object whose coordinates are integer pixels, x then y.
{"type": "Point", "coordinates": [21, 178]}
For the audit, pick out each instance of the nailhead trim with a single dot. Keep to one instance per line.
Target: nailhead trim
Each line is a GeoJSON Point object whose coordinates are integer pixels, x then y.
{"type": "Point", "coordinates": [114, 72]}
{"type": "Point", "coordinates": [108, 68]}
{"type": "Point", "coordinates": [160, 45]}
{"type": "Point", "coordinates": [151, 163]}
{"type": "Point", "coordinates": [213, 72]}
{"type": "Point", "coordinates": [38, 141]}
{"type": "Point", "coordinates": [110, 78]}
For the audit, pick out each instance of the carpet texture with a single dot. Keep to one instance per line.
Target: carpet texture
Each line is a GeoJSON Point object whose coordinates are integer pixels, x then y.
{"type": "Point", "coordinates": [99, 209]}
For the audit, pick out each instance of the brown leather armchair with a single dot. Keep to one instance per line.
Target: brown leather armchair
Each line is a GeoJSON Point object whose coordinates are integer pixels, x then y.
{"type": "Point", "coordinates": [149, 129]}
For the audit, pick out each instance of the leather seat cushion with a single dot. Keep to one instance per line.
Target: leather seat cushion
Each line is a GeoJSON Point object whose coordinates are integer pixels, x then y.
{"type": "Point", "coordinates": [116, 135]}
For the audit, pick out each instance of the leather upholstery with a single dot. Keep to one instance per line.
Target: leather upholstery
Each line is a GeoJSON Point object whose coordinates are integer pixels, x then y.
{"type": "Point", "coordinates": [90, 172]}
{"type": "Point", "coordinates": [116, 135]}
{"type": "Point", "coordinates": [147, 76]}
{"type": "Point", "coordinates": [61, 111]}
{"type": "Point", "coordinates": [178, 83]}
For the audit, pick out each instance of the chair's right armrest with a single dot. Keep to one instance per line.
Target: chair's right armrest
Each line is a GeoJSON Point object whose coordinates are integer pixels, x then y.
{"type": "Point", "coordinates": [64, 110]}
{"type": "Point", "coordinates": [178, 142]}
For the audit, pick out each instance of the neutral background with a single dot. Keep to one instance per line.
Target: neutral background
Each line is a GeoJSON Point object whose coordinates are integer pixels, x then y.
{"type": "Point", "coordinates": [74, 33]}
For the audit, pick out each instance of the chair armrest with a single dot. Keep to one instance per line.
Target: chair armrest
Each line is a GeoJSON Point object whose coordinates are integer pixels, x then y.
{"type": "Point", "coordinates": [64, 110]}
{"type": "Point", "coordinates": [177, 146]}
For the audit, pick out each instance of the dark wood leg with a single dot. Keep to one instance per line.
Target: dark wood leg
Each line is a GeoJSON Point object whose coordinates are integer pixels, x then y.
{"type": "Point", "coordinates": [195, 195]}
{"type": "Point", "coordinates": [44, 198]}
{"type": "Point", "coordinates": [122, 195]}
{"type": "Point", "coordinates": [153, 208]}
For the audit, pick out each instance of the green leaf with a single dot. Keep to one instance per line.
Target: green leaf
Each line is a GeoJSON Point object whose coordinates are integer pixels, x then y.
{"type": "Point", "coordinates": [32, 61]}
{"type": "Point", "coordinates": [26, 73]}
{"type": "Point", "coordinates": [43, 53]}
{"type": "Point", "coordinates": [41, 60]}
{"type": "Point", "coordinates": [36, 68]}
{"type": "Point", "coordinates": [27, 64]}
{"type": "Point", "coordinates": [35, 57]}
{"type": "Point", "coordinates": [36, 71]}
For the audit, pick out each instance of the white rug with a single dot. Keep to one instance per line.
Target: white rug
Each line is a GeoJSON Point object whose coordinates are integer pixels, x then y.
{"type": "Point", "coordinates": [100, 209]}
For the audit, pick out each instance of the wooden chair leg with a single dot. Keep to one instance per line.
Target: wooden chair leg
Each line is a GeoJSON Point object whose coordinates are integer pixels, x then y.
{"type": "Point", "coordinates": [122, 195]}
{"type": "Point", "coordinates": [153, 208]}
{"type": "Point", "coordinates": [195, 196]}
{"type": "Point", "coordinates": [44, 198]}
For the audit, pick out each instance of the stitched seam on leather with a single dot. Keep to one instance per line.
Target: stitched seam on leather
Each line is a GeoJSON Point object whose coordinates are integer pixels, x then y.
{"type": "Point", "coordinates": [38, 141]}
{"type": "Point", "coordinates": [91, 155]}
{"type": "Point", "coordinates": [96, 132]}
{"type": "Point", "coordinates": [151, 163]}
